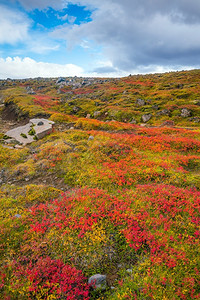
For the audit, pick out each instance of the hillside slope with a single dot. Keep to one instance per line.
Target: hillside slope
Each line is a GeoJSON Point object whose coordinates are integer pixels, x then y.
{"type": "Point", "coordinates": [113, 190]}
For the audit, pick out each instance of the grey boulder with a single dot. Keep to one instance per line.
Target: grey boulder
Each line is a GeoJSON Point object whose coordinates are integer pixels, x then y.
{"type": "Point", "coordinates": [146, 117]}
{"type": "Point", "coordinates": [98, 281]}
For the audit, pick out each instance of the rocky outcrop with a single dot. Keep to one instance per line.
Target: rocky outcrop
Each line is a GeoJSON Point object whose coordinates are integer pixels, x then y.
{"type": "Point", "coordinates": [35, 129]}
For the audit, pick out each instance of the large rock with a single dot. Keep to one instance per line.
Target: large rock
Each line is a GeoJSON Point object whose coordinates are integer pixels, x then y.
{"type": "Point", "coordinates": [98, 281]}
{"type": "Point", "coordinates": [146, 117]}
{"type": "Point", "coordinates": [42, 127]}
{"type": "Point", "coordinates": [60, 80]}
{"type": "Point", "coordinates": [35, 129]}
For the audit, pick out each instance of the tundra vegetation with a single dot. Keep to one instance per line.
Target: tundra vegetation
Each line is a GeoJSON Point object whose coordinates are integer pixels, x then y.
{"type": "Point", "coordinates": [109, 191]}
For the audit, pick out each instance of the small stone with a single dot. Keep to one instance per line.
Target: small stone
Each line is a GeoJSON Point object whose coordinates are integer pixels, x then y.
{"type": "Point", "coordinates": [18, 216]}
{"type": "Point", "coordinates": [90, 138]}
{"type": "Point", "coordinates": [140, 102]}
{"type": "Point", "coordinates": [26, 179]}
{"type": "Point", "coordinates": [40, 123]}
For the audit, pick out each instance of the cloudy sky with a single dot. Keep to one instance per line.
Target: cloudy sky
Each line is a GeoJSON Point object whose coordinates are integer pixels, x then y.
{"type": "Point", "coordinates": [51, 38]}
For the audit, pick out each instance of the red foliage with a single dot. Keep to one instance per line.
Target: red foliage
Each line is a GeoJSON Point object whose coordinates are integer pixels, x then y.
{"type": "Point", "coordinates": [82, 91]}
{"type": "Point", "coordinates": [53, 277]}
{"type": "Point", "coordinates": [45, 101]}
{"type": "Point", "coordinates": [138, 82]}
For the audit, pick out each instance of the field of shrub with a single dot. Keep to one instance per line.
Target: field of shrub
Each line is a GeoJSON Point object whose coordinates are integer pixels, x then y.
{"type": "Point", "coordinates": [105, 192]}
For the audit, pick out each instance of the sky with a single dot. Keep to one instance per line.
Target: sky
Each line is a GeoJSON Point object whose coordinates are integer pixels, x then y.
{"type": "Point", "coordinates": [101, 38]}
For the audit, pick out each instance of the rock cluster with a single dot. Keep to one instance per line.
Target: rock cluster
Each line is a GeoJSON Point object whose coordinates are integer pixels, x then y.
{"type": "Point", "coordinates": [185, 113]}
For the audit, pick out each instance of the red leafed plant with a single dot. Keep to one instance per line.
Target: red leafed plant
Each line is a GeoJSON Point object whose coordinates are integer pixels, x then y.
{"type": "Point", "coordinates": [49, 279]}
{"type": "Point", "coordinates": [45, 101]}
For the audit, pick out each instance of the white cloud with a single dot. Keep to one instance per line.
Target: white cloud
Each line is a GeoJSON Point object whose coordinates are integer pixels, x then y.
{"type": "Point", "coordinates": [66, 17]}
{"type": "Point", "coordinates": [28, 68]}
{"type": "Point", "coordinates": [41, 48]}
{"type": "Point", "coordinates": [13, 26]}
{"type": "Point", "coordinates": [63, 18]}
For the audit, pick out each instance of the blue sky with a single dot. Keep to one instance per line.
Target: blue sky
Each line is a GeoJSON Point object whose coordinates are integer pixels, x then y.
{"type": "Point", "coordinates": [52, 38]}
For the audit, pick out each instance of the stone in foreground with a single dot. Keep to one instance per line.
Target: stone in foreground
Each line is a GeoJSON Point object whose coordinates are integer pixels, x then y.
{"type": "Point", "coordinates": [98, 281]}
{"type": "Point", "coordinates": [35, 129]}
